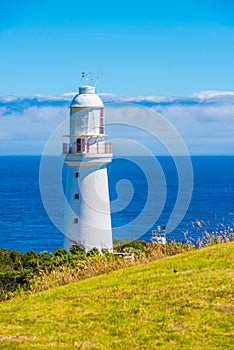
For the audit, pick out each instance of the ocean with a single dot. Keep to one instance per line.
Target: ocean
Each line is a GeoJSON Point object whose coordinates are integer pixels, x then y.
{"type": "Point", "coordinates": [25, 225]}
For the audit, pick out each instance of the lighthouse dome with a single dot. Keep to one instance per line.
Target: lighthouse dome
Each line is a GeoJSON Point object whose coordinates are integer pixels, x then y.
{"type": "Point", "coordinates": [86, 98]}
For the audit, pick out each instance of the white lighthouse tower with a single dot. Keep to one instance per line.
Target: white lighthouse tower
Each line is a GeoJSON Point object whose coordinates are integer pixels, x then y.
{"type": "Point", "coordinates": [87, 210]}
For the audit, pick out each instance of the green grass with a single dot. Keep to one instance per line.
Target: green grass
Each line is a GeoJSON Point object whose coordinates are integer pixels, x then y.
{"type": "Point", "coordinates": [142, 307]}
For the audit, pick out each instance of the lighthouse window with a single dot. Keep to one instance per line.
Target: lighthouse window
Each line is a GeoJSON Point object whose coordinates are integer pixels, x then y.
{"type": "Point", "coordinates": [75, 220]}
{"type": "Point", "coordinates": [77, 173]}
{"type": "Point", "coordinates": [77, 196]}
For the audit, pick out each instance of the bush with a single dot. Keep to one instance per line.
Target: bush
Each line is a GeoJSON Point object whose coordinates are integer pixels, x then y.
{"type": "Point", "coordinates": [77, 250]}
{"type": "Point", "coordinates": [105, 252]}
{"type": "Point", "coordinates": [26, 270]}
{"type": "Point", "coordinates": [93, 252]}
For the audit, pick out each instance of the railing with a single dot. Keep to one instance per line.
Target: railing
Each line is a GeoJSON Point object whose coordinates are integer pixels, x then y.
{"type": "Point", "coordinates": [85, 147]}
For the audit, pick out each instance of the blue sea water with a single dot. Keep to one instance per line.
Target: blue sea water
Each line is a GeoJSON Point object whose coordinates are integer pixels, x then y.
{"type": "Point", "coordinates": [25, 225]}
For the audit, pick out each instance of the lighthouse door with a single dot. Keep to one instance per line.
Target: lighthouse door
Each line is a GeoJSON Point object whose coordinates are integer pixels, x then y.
{"type": "Point", "coordinates": [78, 145]}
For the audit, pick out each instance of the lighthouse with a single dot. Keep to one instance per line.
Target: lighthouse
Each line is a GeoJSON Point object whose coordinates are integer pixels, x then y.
{"type": "Point", "coordinates": [87, 218]}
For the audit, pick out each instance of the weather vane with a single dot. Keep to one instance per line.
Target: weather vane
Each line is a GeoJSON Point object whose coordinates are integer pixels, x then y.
{"type": "Point", "coordinates": [86, 76]}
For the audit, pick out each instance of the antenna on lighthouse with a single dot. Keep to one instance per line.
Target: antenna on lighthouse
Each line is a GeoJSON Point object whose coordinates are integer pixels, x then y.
{"type": "Point", "coordinates": [86, 76]}
{"type": "Point", "coordinates": [97, 84]}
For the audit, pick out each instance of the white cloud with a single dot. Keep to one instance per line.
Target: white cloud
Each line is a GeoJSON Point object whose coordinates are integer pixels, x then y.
{"type": "Point", "coordinates": [205, 120]}
{"type": "Point", "coordinates": [212, 93]}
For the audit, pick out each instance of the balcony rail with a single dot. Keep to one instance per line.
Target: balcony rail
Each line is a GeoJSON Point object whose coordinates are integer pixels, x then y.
{"type": "Point", "coordinates": [85, 147]}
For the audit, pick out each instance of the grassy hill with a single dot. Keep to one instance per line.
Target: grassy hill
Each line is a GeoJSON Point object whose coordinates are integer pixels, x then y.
{"type": "Point", "coordinates": [181, 302]}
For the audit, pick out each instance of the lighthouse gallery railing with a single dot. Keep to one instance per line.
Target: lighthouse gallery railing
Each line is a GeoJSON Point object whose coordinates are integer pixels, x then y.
{"type": "Point", "coordinates": [98, 147]}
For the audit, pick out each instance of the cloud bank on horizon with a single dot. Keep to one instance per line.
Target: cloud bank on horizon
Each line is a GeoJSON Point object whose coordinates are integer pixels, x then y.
{"type": "Point", "coordinates": [204, 120]}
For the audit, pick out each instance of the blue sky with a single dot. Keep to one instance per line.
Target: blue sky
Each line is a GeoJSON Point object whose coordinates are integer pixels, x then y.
{"type": "Point", "coordinates": [137, 48]}
{"type": "Point", "coordinates": [142, 49]}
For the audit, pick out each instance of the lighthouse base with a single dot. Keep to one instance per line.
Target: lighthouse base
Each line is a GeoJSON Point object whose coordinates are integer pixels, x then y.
{"type": "Point", "coordinates": [87, 209]}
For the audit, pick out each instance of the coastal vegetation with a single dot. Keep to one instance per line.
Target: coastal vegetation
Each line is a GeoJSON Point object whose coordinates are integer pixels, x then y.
{"type": "Point", "coordinates": [176, 302]}
{"type": "Point", "coordinates": [32, 271]}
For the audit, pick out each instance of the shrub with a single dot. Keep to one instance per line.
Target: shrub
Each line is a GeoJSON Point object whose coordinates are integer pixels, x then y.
{"type": "Point", "coordinates": [77, 249]}
{"type": "Point", "coordinates": [105, 252]}
{"type": "Point", "coordinates": [39, 271]}
{"type": "Point", "coordinates": [93, 252]}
